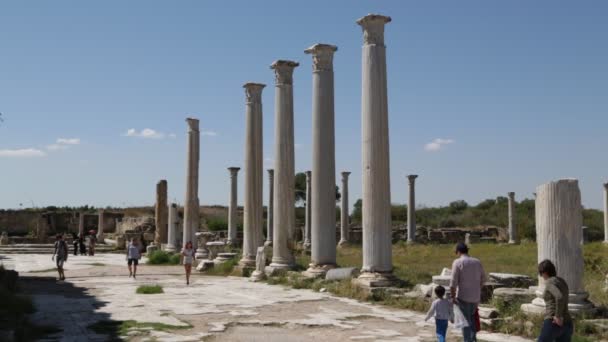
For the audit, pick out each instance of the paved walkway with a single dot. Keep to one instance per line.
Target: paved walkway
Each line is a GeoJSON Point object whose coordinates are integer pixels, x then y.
{"type": "Point", "coordinates": [210, 309]}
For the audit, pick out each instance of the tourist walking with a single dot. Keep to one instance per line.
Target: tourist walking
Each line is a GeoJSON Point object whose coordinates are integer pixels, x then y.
{"type": "Point", "coordinates": [92, 241]}
{"type": "Point", "coordinates": [75, 243]}
{"type": "Point", "coordinates": [557, 325]}
{"type": "Point", "coordinates": [133, 256]}
{"type": "Point", "coordinates": [83, 247]}
{"type": "Point", "coordinates": [468, 278]}
{"type": "Point", "coordinates": [443, 312]}
{"type": "Point", "coordinates": [60, 255]}
{"type": "Point", "coordinates": [187, 256]}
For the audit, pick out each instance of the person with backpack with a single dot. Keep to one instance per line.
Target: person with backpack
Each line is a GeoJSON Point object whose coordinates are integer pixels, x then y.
{"type": "Point", "coordinates": [60, 255]}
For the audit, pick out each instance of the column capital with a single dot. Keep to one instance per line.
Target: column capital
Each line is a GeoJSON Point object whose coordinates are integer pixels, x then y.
{"type": "Point", "coordinates": [511, 194]}
{"type": "Point", "coordinates": [192, 124]}
{"type": "Point", "coordinates": [233, 170]}
{"type": "Point", "coordinates": [412, 178]}
{"type": "Point", "coordinates": [283, 71]}
{"type": "Point", "coordinates": [174, 205]}
{"type": "Point", "coordinates": [308, 174]}
{"type": "Point", "coordinates": [253, 92]}
{"type": "Point", "coordinates": [606, 185]}
{"type": "Point", "coordinates": [373, 28]}
{"type": "Point", "coordinates": [270, 172]}
{"type": "Point", "coordinates": [345, 174]}
{"type": "Point", "coordinates": [322, 56]}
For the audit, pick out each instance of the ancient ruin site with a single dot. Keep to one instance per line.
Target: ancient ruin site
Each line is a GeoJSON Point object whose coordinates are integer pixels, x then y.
{"type": "Point", "coordinates": [279, 183]}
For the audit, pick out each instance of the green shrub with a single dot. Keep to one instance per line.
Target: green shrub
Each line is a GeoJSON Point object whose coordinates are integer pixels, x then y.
{"type": "Point", "coordinates": [163, 258]}
{"type": "Point", "coordinates": [216, 224]}
{"type": "Point", "coordinates": [174, 259]}
{"type": "Point", "coordinates": [149, 289]}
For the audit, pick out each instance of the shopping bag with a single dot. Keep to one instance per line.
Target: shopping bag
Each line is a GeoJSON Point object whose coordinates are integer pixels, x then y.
{"type": "Point", "coordinates": [460, 322]}
{"type": "Point", "coordinates": [477, 321]}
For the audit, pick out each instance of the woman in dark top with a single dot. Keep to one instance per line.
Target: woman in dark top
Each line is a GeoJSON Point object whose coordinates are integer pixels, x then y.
{"type": "Point", "coordinates": [557, 325]}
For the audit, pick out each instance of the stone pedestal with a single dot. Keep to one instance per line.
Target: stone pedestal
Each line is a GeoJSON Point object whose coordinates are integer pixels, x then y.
{"type": "Point", "coordinates": [513, 239]}
{"type": "Point", "coordinates": [284, 172]}
{"type": "Point", "coordinates": [100, 226]}
{"type": "Point", "coordinates": [558, 233]}
{"type": "Point", "coordinates": [253, 236]}
{"type": "Point", "coordinates": [151, 249]}
{"type": "Point", "coordinates": [202, 252]}
{"type": "Point", "coordinates": [605, 212]}
{"type": "Point", "coordinates": [161, 213]}
{"type": "Point", "coordinates": [269, 218]}
{"type": "Point", "coordinates": [171, 245]}
{"type": "Point", "coordinates": [307, 212]}
{"type": "Point", "coordinates": [260, 265]}
{"type": "Point", "coordinates": [232, 207]}
{"type": "Point", "coordinates": [223, 257]}
{"type": "Point", "coordinates": [322, 198]}
{"type": "Point", "coordinates": [191, 204]}
{"type": "Point", "coordinates": [411, 210]}
{"type": "Point", "coordinates": [377, 270]}
{"type": "Point", "coordinates": [344, 212]}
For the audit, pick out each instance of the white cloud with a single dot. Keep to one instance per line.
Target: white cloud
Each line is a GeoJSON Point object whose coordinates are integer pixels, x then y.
{"type": "Point", "coordinates": [26, 152]}
{"type": "Point", "coordinates": [209, 133]}
{"type": "Point", "coordinates": [56, 147]}
{"type": "Point", "coordinates": [146, 133]}
{"type": "Point", "coordinates": [68, 141]}
{"type": "Point", "coordinates": [437, 144]}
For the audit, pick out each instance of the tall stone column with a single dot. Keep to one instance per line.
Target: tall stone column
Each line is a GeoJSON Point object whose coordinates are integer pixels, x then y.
{"type": "Point", "coordinates": [81, 224]}
{"type": "Point", "coordinates": [606, 214]}
{"type": "Point", "coordinates": [284, 169]}
{"type": "Point", "coordinates": [171, 245]}
{"type": "Point", "coordinates": [254, 176]}
{"type": "Point", "coordinates": [232, 207]}
{"type": "Point", "coordinates": [411, 210]}
{"type": "Point", "coordinates": [269, 218]}
{"type": "Point", "coordinates": [161, 214]}
{"type": "Point", "coordinates": [100, 226]}
{"type": "Point", "coordinates": [323, 189]}
{"type": "Point", "coordinates": [377, 270]}
{"type": "Point", "coordinates": [307, 211]}
{"type": "Point", "coordinates": [513, 238]}
{"type": "Point", "coordinates": [191, 204]}
{"type": "Point", "coordinates": [344, 211]}
{"type": "Point", "coordinates": [558, 234]}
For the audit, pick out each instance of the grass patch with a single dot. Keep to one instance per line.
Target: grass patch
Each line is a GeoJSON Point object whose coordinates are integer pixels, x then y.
{"type": "Point", "coordinates": [97, 264]}
{"type": "Point", "coordinates": [149, 289]}
{"type": "Point", "coordinates": [121, 328]}
{"type": "Point", "coordinates": [163, 258]}
{"type": "Point", "coordinates": [224, 269]}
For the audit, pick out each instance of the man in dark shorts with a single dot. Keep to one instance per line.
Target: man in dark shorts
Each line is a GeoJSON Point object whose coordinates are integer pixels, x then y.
{"type": "Point", "coordinates": [60, 255]}
{"type": "Point", "coordinates": [133, 256]}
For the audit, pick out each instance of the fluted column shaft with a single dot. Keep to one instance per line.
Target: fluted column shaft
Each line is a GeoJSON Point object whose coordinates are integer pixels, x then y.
{"type": "Point", "coordinates": [411, 210]}
{"type": "Point", "coordinates": [253, 235]}
{"type": "Point", "coordinates": [232, 204]}
{"type": "Point", "coordinates": [323, 187]}
{"type": "Point", "coordinates": [307, 210]}
{"type": "Point", "coordinates": [191, 204]}
{"type": "Point", "coordinates": [269, 215]}
{"type": "Point", "coordinates": [606, 213]}
{"type": "Point", "coordinates": [171, 232]}
{"type": "Point", "coordinates": [284, 168]}
{"type": "Point", "coordinates": [100, 226]}
{"type": "Point", "coordinates": [513, 238]}
{"type": "Point", "coordinates": [376, 211]}
{"type": "Point", "coordinates": [160, 213]}
{"type": "Point", "coordinates": [344, 211]}
{"type": "Point", "coordinates": [81, 224]}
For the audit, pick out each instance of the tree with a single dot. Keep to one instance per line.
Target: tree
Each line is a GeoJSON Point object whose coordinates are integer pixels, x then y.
{"type": "Point", "coordinates": [300, 187]}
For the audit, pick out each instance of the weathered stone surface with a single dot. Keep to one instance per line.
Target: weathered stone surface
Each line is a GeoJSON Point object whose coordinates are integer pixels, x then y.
{"type": "Point", "coordinates": [512, 280]}
{"type": "Point", "coordinates": [308, 211]}
{"type": "Point", "coordinates": [260, 265]}
{"type": "Point", "coordinates": [172, 245]}
{"type": "Point", "coordinates": [513, 238]}
{"type": "Point", "coordinates": [204, 265]}
{"type": "Point", "coordinates": [488, 312]}
{"type": "Point", "coordinates": [376, 212]}
{"type": "Point", "coordinates": [513, 295]}
{"type": "Point", "coordinates": [232, 204]}
{"type": "Point", "coordinates": [4, 238]}
{"type": "Point", "coordinates": [191, 203]}
{"type": "Point", "coordinates": [344, 215]}
{"type": "Point", "coordinates": [223, 257]}
{"type": "Point", "coordinates": [342, 273]}
{"type": "Point", "coordinates": [411, 210]}
{"type": "Point", "coordinates": [151, 248]}
{"type": "Point", "coordinates": [269, 216]}
{"type": "Point", "coordinates": [558, 232]}
{"type": "Point", "coordinates": [161, 213]}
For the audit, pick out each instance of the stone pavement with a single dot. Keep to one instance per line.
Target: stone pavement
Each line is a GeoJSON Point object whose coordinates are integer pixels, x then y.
{"type": "Point", "coordinates": [211, 308]}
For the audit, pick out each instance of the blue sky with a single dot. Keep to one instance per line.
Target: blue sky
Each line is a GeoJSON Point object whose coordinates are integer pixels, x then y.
{"type": "Point", "coordinates": [515, 91]}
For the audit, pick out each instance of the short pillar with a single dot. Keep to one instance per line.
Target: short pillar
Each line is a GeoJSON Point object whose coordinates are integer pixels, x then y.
{"type": "Point", "coordinates": [171, 245]}
{"type": "Point", "coordinates": [558, 233]}
{"type": "Point", "coordinates": [269, 212]}
{"type": "Point", "coordinates": [81, 224]}
{"type": "Point", "coordinates": [284, 168]}
{"type": "Point", "coordinates": [411, 210]}
{"type": "Point", "coordinates": [344, 211]}
{"type": "Point", "coordinates": [161, 214]}
{"type": "Point", "coordinates": [307, 211]}
{"type": "Point", "coordinates": [232, 206]}
{"type": "Point", "coordinates": [377, 270]}
{"type": "Point", "coordinates": [192, 204]}
{"type": "Point", "coordinates": [513, 239]}
{"type": "Point", "coordinates": [253, 235]}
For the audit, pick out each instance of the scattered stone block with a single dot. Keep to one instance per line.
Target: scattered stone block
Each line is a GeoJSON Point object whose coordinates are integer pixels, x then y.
{"type": "Point", "coordinates": [342, 273]}
{"type": "Point", "coordinates": [223, 257]}
{"type": "Point", "coordinates": [512, 280]}
{"type": "Point", "coordinates": [488, 312]}
{"type": "Point", "coordinates": [513, 295]}
{"type": "Point", "coordinates": [151, 248]}
{"type": "Point", "coordinates": [204, 265]}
